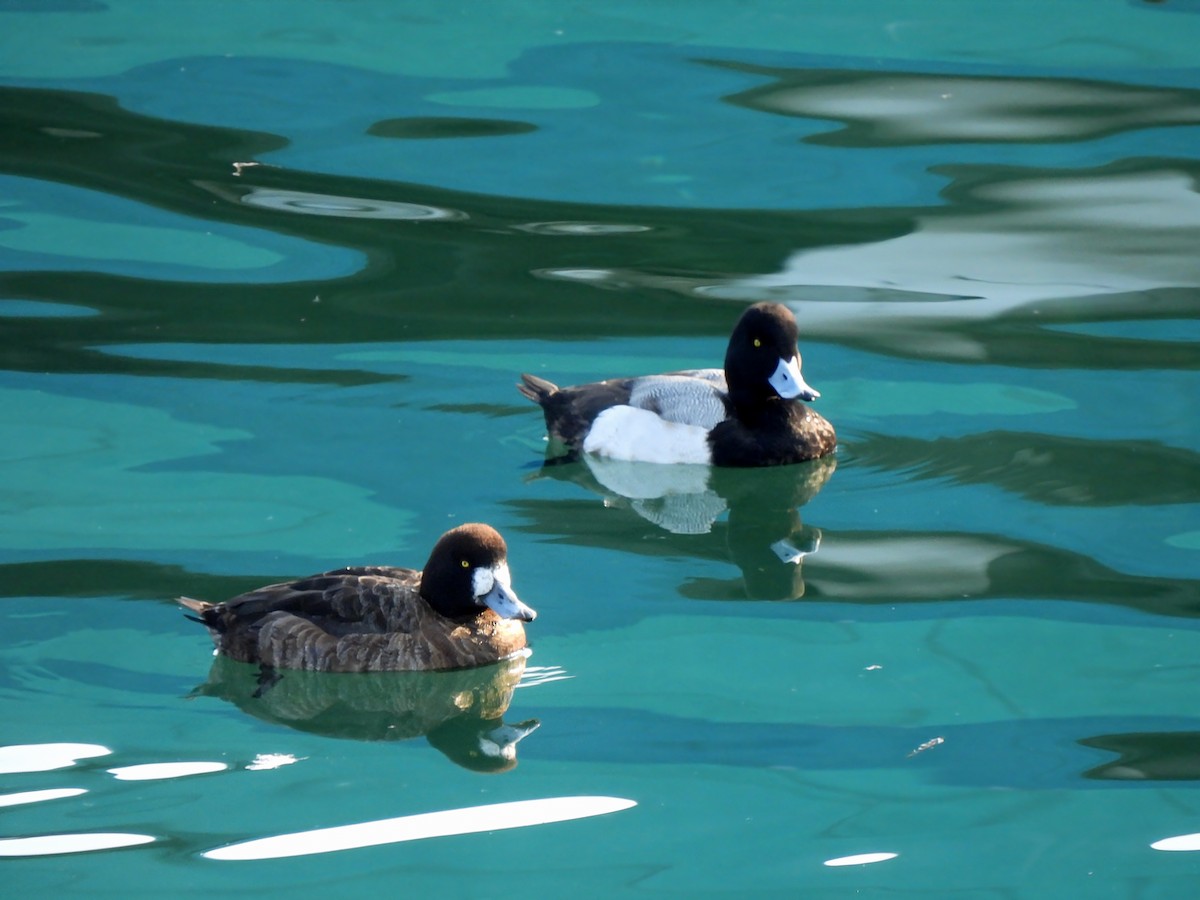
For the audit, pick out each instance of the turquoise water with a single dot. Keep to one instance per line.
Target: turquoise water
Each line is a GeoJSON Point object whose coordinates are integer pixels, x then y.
{"type": "Point", "coordinates": [268, 273]}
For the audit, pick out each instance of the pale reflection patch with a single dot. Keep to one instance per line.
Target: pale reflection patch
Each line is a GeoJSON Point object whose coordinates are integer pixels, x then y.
{"type": "Point", "coordinates": [1181, 842]}
{"type": "Point", "coordinates": [158, 771]}
{"type": "Point", "coordinates": [53, 844]}
{"type": "Point", "coordinates": [581, 229]}
{"type": "Point", "coordinates": [39, 796]}
{"type": "Point", "coordinates": [518, 814]}
{"type": "Point", "coordinates": [535, 675]}
{"type": "Point", "coordinates": [860, 859]}
{"type": "Point", "coordinates": [264, 761]}
{"type": "Point", "coordinates": [306, 203]}
{"type": "Point", "coordinates": [45, 757]}
{"type": "Point", "coordinates": [894, 108]}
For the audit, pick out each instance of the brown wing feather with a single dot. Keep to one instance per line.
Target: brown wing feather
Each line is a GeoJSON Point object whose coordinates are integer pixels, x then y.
{"type": "Point", "coordinates": [353, 620]}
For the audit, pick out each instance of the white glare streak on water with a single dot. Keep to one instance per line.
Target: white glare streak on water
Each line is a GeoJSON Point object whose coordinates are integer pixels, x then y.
{"type": "Point", "coordinates": [471, 820]}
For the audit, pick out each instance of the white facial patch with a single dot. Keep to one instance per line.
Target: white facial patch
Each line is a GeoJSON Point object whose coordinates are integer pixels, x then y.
{"type": "Point", "coordinates": [623, 432]}
{"type": "Point", "coordinates": [789, 383]}
{"type": "Point", "coordinates": [493, 589]}
{"type": "Point", "coordinates": [482, 581]}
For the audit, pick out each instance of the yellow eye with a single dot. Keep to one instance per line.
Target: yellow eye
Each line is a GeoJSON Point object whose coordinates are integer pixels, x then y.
{"type": "Point", "coordinates": [465, 564]}
{"type": "Point", "coordinates": [757, 342]}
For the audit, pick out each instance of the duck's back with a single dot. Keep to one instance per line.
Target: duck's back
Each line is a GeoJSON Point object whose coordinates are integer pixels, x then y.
{"type": "Point", "coordinates": [693, 397]}
{"type": "Point", "coordinates": [354, 620]}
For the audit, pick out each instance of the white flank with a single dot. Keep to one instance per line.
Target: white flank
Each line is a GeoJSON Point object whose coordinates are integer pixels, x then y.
{"type": "Point", "coordinates": [471, 820]}
{"type": "Point", "coordinates": [623, 432]}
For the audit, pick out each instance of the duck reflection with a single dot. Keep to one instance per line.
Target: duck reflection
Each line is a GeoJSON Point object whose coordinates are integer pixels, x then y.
{"type": "Point", "coordinates": [762, 534]}
{"type": "Point", "coordinates": [460, 712]}
{"type": "Point", "coordinates": [1148, 756]}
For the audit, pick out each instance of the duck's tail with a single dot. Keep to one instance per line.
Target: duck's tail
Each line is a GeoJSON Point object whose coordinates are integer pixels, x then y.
{"type": "Point", "coordinates": [200, 607]}
{"type": "Point", "coordinates": [539, 390]}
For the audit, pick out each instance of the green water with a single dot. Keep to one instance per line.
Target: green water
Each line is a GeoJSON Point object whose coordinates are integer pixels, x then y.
{"type": "Point", "coordinates": [269, 272]}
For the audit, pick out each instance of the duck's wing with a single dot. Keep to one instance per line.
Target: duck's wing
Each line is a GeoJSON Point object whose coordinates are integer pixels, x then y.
{"type": "Point", "coordinates": [363, 598]}
{"type": "Point", "coordinates": [692, 397]}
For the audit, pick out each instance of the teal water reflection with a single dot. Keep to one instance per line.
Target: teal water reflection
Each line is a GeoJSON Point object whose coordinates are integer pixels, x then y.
{"type": "Point", "coordinates": [267, 280]}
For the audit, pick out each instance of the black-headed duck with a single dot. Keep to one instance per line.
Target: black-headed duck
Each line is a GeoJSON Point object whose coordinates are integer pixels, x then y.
{"type": "Point", "coordinates": [750, 414]}
{"type": "Point", "coordinates": [459, 612]}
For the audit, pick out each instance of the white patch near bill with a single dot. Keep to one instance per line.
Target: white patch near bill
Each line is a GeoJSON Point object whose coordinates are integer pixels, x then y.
{"type": "Point", "coordinates": [623, 432]}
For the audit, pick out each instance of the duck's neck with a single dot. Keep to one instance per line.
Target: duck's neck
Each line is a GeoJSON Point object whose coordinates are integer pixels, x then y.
{"type": "Point", "coordinates": [753, 409]}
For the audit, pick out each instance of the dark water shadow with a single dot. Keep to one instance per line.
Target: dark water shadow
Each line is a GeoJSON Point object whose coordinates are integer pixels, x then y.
{"type": "Point", "coordinates": [1038, 753]}
{"type": "Point", "coordinates": [460, 713]}
{"type": "Point", "coordinates": [1046, 468]}
{"type": "Point", "coordinates": [512, 275]}
{"type": "Point", "coordinates": [1148, 756]}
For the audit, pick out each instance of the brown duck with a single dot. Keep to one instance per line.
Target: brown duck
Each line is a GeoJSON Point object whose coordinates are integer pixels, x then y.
{"type": "Point", "coordinates": [459, 612]}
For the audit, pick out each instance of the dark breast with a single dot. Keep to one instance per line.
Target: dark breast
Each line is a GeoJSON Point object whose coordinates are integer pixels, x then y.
{"type": "Point", "coordinates": [781, 434]}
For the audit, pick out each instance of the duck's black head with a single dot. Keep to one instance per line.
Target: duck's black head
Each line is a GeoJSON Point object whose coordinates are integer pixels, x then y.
{"type": "Point", "coordinates": [467, 571]}
{"type": "Point", "coordinates": [762, 362]}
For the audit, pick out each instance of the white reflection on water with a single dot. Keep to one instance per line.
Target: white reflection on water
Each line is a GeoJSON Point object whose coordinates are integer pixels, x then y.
{"type": "Point", "coordinates": [896, 108]}
{"type": "Point", "coordinates": [45, 757]}
{"type": "Point", "coordinates": [1042, 239]}
{"type": "Point", "coordinates": [471, 820]}
{"type": "Point", "coordinates": [52, 844]}
{"type": "Point", "coordinates": [265, 761]}
{"type": "Point", "coordinates": [860, 859]}
{"type": "Point", "coordinates": [1178, 843]}
{"type": "Point", "coordinates": [1008, 245]}
{"type": "Point", "coordinates": [39, 796]}
{"type": "Point", "coordinates": [535, 675]}
{"type": "Point", "coordinates": [159, 771]}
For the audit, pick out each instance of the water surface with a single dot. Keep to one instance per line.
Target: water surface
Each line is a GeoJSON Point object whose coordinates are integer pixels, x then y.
{"type": "Point", "coordinates": [268, 274]}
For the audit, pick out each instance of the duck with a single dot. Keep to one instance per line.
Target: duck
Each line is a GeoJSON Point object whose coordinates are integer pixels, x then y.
{"type": "Point", "coordinates": [459, 612]}
{"type": "Point", "coordinates": [752, 413]}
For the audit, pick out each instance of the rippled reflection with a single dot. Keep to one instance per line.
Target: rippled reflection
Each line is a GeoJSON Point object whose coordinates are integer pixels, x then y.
{"type": "Point", "coordinates": [896, 108]}
{"type": "Point", "coordinates": [306, 203]}
{"type": "Point", "coordinates": [459, 712]}
{"type": "Point", "coordinates": [1051, 469]}
{"type": "Point", "coordinates": [989, 276]}
{"type": "Point", "coordinates": [581, 229]}
{"type": "Point", "coordinates": [763, 534]}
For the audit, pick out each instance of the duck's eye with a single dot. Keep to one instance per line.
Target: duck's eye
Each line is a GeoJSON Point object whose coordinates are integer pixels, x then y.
{"type": "Point", "coordinates": [465, 564]}
{"type": "Point", "coordinates": [757, 342]}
